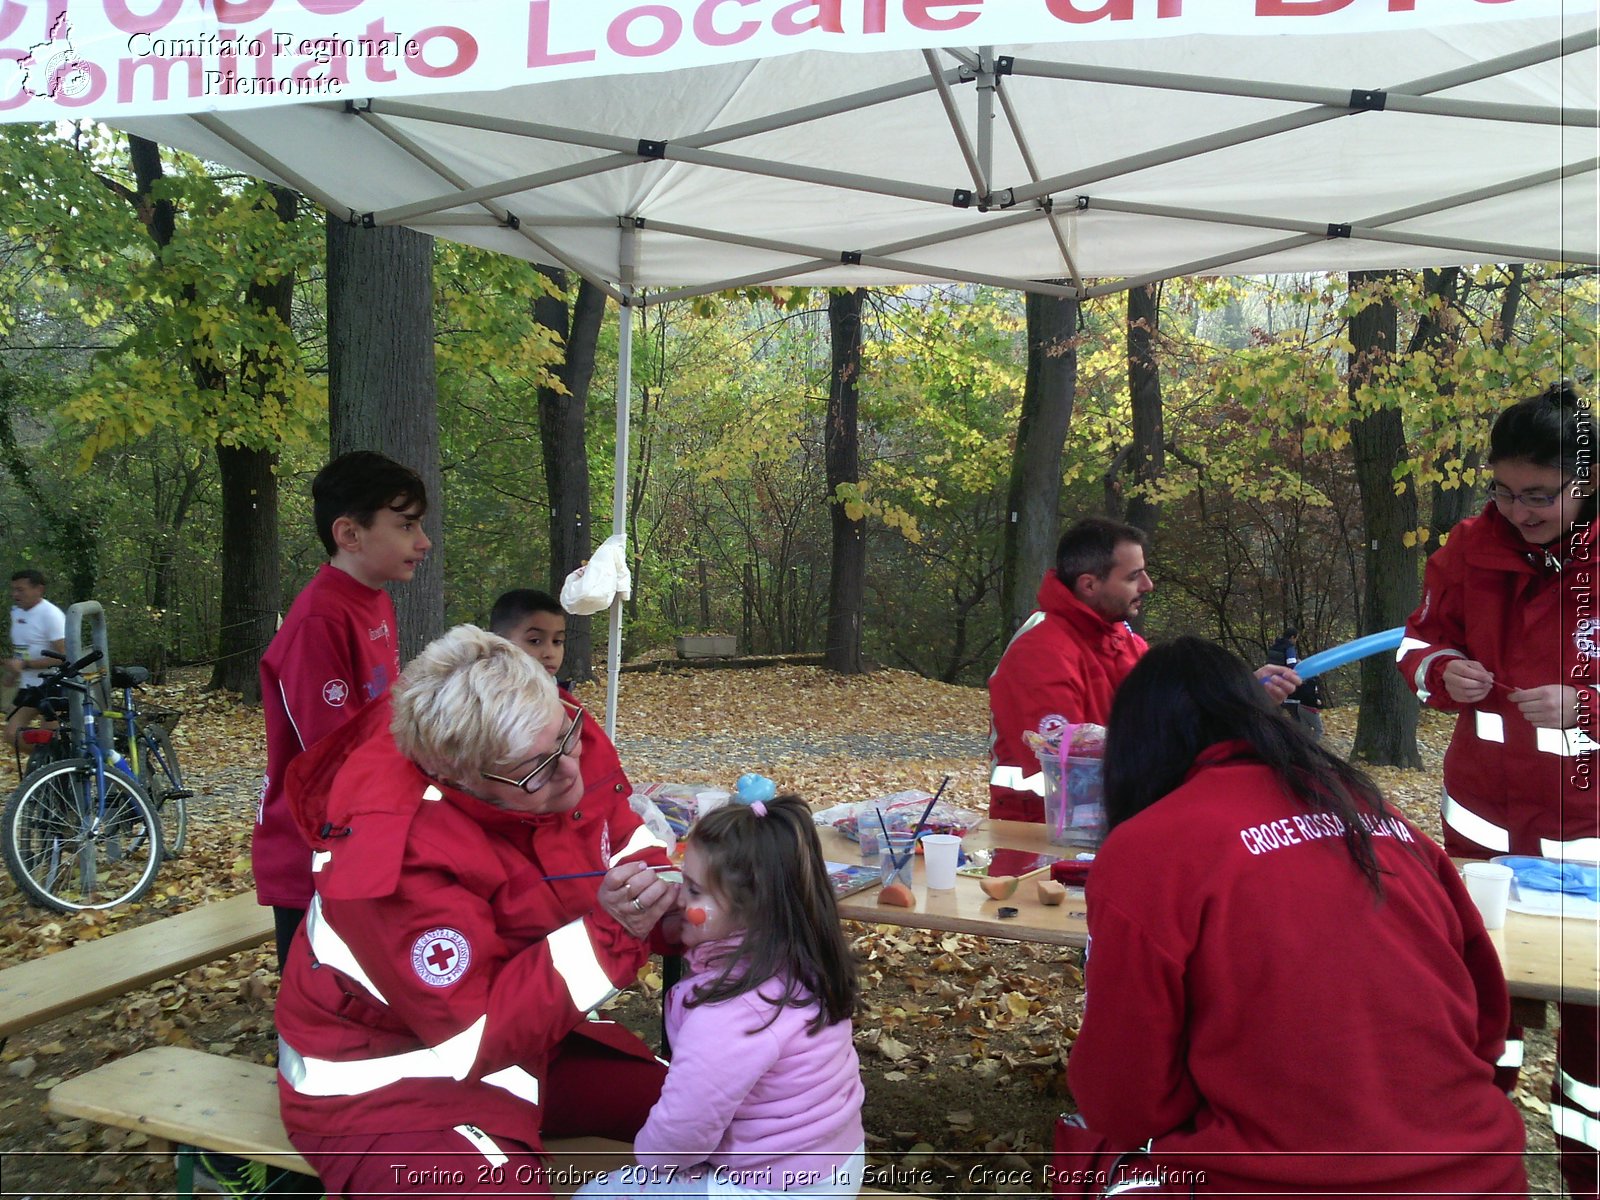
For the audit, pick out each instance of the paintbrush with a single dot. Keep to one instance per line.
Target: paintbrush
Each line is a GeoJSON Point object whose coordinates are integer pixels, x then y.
{"type": "Point", "coordinates": [597, 874]}
{"type": "Point", "coordinates": [921, 822]}
{"type": "Point", "coordinates": [887, 844]}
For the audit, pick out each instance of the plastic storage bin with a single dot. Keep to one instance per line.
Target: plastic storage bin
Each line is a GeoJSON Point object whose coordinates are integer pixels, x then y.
{"type": "Point", "coordinates": [1074, 799]}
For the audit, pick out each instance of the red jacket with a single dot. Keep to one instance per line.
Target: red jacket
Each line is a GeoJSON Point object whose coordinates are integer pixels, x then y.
{"type": "Point", "coordinates": [1490, 596]}
{"type": "Point", "coordinates": [437, 969]}
{"type": "Point", "coordinates": [1064, 664]}
{"type": "Point", "coordinates": [1255, 1010]}
{"type": "Point", "coordinates": [603, 776]}
{"type": "Point", "coordinates": [337, 650]}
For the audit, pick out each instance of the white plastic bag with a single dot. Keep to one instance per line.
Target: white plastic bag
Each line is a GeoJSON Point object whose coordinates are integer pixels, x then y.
{"type": "Point", "coordinates": [604, 578]}
{"type": "Point", "coordinates": [654, 819]}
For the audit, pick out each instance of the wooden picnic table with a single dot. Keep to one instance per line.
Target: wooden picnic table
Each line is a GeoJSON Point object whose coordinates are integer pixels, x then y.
{"type": "Point", "coordinates": [1544, 958]}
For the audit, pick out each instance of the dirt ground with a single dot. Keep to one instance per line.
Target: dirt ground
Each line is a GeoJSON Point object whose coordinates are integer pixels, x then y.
{"type": "Point", "coordinates": [962, 1040]}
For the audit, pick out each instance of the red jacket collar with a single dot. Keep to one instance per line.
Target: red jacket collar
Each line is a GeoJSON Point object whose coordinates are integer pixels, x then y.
{"type": "Point", "coordinates": [1218, 753]}
{"type": "Point", "coordinates": [1057, 599]}
{"type": "Point", "coordinates": [1505, 549]}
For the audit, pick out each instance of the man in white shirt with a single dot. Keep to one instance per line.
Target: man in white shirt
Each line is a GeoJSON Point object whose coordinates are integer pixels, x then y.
{"type": "Point", "coordinates": [36, 626]}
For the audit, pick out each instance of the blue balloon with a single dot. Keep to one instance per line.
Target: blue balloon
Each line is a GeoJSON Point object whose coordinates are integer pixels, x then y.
{"type": "Point", "coordinates": [754, 789]}
{"type": "Point", "coordinates": [1362, 647]}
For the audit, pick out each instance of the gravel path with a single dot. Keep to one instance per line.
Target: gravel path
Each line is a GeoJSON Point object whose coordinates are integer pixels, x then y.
{"type": "Point", "coordinates": [224, 795]}
{"type": "Point", "coordinates": [687, 754]}
{"type": "Point", "coordinates": [229, 794]}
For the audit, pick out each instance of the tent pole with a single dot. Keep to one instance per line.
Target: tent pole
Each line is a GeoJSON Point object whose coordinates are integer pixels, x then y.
{"type": "Point", "coordinates": [987, 86]}
{"type": "Point", "coordinates": [619, 499]}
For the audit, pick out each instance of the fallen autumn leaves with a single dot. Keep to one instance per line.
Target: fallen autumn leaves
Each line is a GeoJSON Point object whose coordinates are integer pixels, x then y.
{"type": "Point", "coordinates": [963, 1040]}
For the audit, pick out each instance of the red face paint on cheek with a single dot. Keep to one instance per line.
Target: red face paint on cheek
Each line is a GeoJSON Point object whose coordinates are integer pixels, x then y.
{"type": "Point", "coordinates": [695, 916]}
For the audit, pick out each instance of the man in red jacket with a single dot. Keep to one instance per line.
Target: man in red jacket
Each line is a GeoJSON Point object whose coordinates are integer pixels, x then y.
{"type": "Point", "coordinates": [1063, 665]}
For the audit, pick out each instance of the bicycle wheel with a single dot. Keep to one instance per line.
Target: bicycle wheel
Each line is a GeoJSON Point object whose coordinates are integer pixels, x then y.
{"type": "Point", "coordinates": [69, 852]}
{"type": "Point", "coordinates": [163, 783]}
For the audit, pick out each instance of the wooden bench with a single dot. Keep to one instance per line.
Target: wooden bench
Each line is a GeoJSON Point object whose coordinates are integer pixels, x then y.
{"type": "Point", "coordinates": [190, 1101]}
{"type": "Point", "coordinates": [42, 988]}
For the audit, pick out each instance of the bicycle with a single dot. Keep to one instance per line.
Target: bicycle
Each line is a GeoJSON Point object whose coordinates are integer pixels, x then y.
{"type": "Point", "coordinates": [152, 759]}
{"type": "Point", "coordinates": [79, 834]}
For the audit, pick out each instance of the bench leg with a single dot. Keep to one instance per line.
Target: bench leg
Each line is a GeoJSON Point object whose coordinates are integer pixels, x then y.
{"type": "Point", "coordinates": [188, 1156]}
{"type": "Point", "coordinates": [184, 1161]}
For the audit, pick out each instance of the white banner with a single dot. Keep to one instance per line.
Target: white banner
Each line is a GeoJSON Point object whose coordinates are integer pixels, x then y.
{"type": "Point", "coordinates": [122, 58]}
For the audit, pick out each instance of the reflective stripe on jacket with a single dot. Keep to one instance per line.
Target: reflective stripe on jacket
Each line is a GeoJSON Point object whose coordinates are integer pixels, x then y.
{"type": "Point", "coordinates": [438, 969]}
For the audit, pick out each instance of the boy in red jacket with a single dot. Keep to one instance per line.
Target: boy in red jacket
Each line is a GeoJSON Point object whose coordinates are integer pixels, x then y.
{"type": "Point", "coordinates": [337, 650]}
{"type": "Point", "coordinates": [537, 624]}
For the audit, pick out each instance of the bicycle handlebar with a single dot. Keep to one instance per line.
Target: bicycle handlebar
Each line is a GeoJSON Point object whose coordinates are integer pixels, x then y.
{"type": "Point", "coordinates": [66, 670]}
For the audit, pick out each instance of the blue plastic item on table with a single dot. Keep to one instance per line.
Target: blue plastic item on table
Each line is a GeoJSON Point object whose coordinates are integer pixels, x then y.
{"type": "Point", "coordinates": [754, 789]}
{"type": "Point", "coordinates": [1361, 647]}
{"type": "Point", "coordinates": [1553, 875]}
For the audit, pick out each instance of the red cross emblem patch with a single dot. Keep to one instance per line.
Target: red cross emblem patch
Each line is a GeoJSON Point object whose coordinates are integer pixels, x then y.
{"type": "Point", "coordinates": [440, 957]}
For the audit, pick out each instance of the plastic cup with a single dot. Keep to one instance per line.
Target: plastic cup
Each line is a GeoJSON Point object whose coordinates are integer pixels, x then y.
{"type": "Point", "coordinates": [894, 860]}
{"type": "Point", "coordinates": [1489, 885]}
{"type": "Point", "coordinates": [709, 801]}
{"type": "Point", "coordinates": [941, 854]}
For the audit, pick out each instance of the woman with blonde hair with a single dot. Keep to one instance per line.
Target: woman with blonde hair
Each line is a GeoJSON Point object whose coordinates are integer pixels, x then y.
{"type": "Point", "coordinates": [472, 911]}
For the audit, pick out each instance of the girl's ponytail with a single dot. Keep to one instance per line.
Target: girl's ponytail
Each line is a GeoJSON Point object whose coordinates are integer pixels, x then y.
{"type": "Point", "coordinates": [769, 867]}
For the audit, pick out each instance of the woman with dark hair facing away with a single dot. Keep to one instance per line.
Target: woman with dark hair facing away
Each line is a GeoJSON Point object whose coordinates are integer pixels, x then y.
{"type": "Point", "coordinates": [1288, 988]}
{"type": "Point", "coordinates": [763, 1097]}
{"type": "Point", "coordinates": [1506, 637]}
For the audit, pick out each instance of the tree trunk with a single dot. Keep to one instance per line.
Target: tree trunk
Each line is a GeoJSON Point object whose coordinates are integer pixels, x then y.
{"type": "Point", "coordinates": [1034, 497]}
{"type": "Point", "coordinates": [250, 586]}
{"type": "Point", "coordinates": [172, 518]}
{"type": "Point", "coordinates": [566, 451]}
{"type": "Point", "coordinates": [1452, 507]}
{"type": "Point", "coordinates": [1148, 458]}
{"type": "Point", "coordinates": [382, 392]}
{"type": "Point", "coordinates": [1386, 728]}
{"type": "Point", "coordinates": [847, 585]}
{"type": "Point", "coordinates": [1432, 337]}
{"type": "Point", "coordinates": [249, 602]}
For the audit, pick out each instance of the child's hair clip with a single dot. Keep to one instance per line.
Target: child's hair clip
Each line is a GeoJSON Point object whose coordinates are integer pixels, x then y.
{"type": "Point", "coordinates": [755, 790]}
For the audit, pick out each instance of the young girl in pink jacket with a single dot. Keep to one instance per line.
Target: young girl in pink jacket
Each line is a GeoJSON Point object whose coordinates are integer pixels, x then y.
{"type": "Point", "coordinates": [763, 1096]}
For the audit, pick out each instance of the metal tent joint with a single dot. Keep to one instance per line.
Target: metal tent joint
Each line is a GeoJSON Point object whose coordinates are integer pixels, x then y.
{"type": "Point", "coordinates": [850, 258]}
{"type": "Point", "coordinates": [357, 107]}
{"type": "Point", "coordinates": [649, 148]}
{"type": "Point", "coordinates": [1005, 64]}
{"type": "Point", "coordinates": [511, 221]}
{"type": "Point", "coordinates": [961, 198]}
{"type": "Point", "coordinates": [1081, 203]}
{"type": "Point", "coordinates": [369, 220]}
{"type": "Point", "coordinates": [1363, 100]}
{"type": "Point", "coordinates": [1338, 231]}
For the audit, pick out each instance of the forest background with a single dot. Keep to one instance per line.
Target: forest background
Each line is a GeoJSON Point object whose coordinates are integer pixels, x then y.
{"type": "Point", "coordinates": [870, 475]}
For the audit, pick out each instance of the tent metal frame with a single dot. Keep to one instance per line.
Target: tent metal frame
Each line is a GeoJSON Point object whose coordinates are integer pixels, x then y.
{"type": "Point", "coordinates": [1057, 200]}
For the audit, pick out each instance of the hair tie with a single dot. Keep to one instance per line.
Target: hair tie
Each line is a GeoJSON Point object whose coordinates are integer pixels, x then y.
{"type": "Point", "coordinates": [755, 791]}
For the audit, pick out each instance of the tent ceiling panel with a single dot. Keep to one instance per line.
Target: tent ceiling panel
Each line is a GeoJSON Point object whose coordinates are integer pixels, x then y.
{"type": "Point", "coordinates": [790, 165]}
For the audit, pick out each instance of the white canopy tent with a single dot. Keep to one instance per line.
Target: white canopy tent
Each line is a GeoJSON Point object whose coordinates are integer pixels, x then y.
{"type": "Point", "coordinates": [1075, 147]}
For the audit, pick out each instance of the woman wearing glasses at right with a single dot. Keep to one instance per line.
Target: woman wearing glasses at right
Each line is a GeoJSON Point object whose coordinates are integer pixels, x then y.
{"type": "Point", "coordinates": [1506, 636]}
